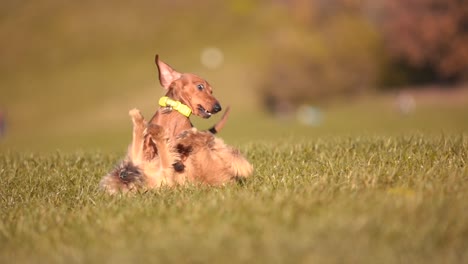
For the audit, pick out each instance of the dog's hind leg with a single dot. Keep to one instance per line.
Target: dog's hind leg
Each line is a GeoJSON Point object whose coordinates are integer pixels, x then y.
{"type": "Point", "coordinates": [136, 149]}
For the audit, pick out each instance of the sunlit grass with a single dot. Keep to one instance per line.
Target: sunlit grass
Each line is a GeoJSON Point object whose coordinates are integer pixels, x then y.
{"type": "Point", "coordinates": [364, 199]}
{"type": "Point", "coordinates": [365, 185]}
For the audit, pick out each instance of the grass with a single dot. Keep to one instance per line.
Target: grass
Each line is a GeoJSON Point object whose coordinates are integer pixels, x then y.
{"type": "Point", "coordinates": [368, 199]}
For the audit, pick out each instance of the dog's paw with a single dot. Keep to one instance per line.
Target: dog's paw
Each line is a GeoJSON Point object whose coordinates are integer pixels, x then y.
{"type": "Point", "coordinates": [136, 115]}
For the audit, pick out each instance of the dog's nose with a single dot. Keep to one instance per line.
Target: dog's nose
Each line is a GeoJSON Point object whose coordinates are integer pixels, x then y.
{"type": "Point", "coordinates": [217, 108]}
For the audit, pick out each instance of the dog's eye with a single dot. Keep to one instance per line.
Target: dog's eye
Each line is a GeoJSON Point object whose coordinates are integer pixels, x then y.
{"type": "Point", "coordinates": [200, 87]}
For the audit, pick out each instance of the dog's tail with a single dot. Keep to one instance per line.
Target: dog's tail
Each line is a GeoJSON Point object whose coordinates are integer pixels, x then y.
{"type": "Point", "coordinates": [218, 126]}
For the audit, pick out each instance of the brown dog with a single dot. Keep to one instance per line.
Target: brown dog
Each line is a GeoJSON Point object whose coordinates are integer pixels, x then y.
{"type": "Point", "coordinates": [207, 160]}
{"type": "Point", "coordinates": [194, 94]}
{"type": "Point", "coordinates": [161, 143]}
{"type": "Point", "coordinates": [186, 93]}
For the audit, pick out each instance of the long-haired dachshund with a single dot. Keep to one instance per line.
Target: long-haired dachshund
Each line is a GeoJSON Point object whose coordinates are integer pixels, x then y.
{"type": "Point", "coordinates": [167, 150]}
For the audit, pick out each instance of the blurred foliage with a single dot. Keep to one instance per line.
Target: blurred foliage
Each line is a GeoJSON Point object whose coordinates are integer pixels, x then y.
{"type": "Point", "coordinates": [427, 40]}
{"type": "Point", "coordinates": [321, 51]}
{"type": "Point", "coordinates": [324, 49]}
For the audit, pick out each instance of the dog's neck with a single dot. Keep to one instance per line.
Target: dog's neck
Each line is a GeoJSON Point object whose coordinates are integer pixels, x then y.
{"type": "Point", "coordinates": [173, 121]}
{"type": "Point", "coordinates": [178, 106]}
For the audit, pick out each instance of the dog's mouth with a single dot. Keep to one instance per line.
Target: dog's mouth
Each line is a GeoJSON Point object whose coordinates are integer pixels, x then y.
{"type": "Point", "coordinates": [203, 112]}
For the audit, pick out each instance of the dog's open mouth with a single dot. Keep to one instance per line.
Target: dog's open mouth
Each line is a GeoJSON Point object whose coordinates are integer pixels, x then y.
{"type": "Point", "coordinates": [203, 112]}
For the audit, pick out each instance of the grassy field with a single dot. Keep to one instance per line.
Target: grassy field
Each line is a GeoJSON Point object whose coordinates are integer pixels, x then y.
{"type": "Point", "coordinates": [362, 199]}
{"type": "Point", "coordinates": [366, 185]}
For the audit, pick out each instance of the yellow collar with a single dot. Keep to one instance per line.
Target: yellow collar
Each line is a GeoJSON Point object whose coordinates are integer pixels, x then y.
{"type": "Point", "coordinates": [176, 105]}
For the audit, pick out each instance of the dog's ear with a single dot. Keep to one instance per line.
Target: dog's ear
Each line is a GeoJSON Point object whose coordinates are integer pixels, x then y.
{"type": "Point", "coordinates": [166, 74]}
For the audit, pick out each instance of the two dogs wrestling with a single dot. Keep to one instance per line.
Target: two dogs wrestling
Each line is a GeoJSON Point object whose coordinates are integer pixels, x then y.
{"type": "Point", "coordinates": [168, 150]}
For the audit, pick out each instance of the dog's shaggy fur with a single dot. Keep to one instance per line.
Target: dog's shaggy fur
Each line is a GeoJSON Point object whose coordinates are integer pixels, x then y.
{"type": "Point", "coordinates": [126, 177]}
{"type": "Point", "coordinates": [168, 151]}
{"type": "Point", "coordinates": [209, 160]}
{"type": "Point", "coordinates": [194, 157]}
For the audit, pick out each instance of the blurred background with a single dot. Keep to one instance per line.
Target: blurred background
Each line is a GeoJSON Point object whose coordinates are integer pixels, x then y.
{"type": "Point", "coordinates": [289, 69]}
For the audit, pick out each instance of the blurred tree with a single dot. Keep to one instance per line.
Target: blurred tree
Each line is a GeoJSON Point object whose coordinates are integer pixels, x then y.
{"type": "Point", "coordinates": [427, 40]}
{"type": "Point", "coordinates": [320, 49]}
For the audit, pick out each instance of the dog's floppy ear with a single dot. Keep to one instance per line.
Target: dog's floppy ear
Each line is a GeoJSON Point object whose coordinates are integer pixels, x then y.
{"type": "Point", "coordinates": [166, 74]}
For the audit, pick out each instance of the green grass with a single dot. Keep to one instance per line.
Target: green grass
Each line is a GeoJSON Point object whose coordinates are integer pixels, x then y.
{"type": "Point", "coordinates": [368, 185]}
{"type": "Point", "coordinates": [363, 199]}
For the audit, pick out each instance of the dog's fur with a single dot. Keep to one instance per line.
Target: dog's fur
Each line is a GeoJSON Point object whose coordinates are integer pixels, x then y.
{"type": "Point", "coordinates": [206, 160]}
{"type": "Point", "coordinates": [209, 160]}
{"type": "Point", "coordinates": [143, 168]}
{"type": "Point", "coordinates": [168, 151]}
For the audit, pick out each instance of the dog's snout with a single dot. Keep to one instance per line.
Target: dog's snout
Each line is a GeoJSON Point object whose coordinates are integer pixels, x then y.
{"type": "Point", "coordinates": [217, 108]}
